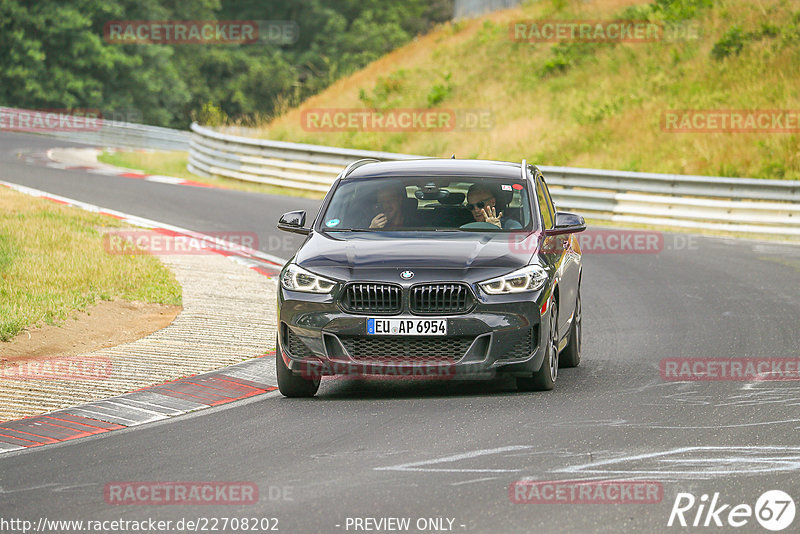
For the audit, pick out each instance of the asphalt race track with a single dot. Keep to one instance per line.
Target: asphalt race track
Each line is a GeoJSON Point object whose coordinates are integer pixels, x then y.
{"type": "Point", "coordinates": [443, 449]}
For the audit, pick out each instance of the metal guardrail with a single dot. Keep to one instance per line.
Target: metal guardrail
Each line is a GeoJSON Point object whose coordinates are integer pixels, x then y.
{"type": "Point", "coordinates": [292, 165]}
{"type": "Point", "coordinates": [474, 8]}
{"type": "Point", "coordinates": [105, 133]}
{"type": "Point", "coordinates": [704, 202]}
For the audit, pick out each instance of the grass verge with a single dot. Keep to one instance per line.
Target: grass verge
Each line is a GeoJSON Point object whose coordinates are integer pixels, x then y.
{"type": "Point", "coordinates": [173, 163]}
{"type": "Point", "coordinates": [595, 105]}
{"type": "Point", "coordinates": [52, 263]}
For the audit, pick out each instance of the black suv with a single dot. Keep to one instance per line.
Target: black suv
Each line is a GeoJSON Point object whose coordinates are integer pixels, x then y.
{"type": "Point", "coordinates": [431, 268]}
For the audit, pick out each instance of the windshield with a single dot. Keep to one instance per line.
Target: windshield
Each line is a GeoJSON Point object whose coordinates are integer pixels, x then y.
{"type": "Point", "coordinates": [441, 204]}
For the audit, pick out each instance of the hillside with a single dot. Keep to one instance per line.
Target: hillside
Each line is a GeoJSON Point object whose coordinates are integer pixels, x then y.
{"type": "Point", "coordinates": [596, 105]}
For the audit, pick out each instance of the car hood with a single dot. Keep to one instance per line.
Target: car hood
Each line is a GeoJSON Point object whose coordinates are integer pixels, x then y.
{"type": "Point", "coordinates": [466, 256]}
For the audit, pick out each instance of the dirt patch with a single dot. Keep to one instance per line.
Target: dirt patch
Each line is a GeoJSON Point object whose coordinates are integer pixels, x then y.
{"type": "Point", "coordinates": [104, 325]}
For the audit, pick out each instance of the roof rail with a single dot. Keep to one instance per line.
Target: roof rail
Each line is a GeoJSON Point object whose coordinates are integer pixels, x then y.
{"type": "Point", "coordinates": [524, 169]}
{"type": "Point", "coordinates": [356, 164]}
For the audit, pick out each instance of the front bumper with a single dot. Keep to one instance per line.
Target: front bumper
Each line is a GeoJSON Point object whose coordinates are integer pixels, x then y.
{"type": "Point", "coordinates": [501, 334]}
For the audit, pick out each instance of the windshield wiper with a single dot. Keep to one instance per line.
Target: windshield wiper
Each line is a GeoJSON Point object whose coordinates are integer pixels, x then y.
{"type": "Point", "coordinates": [352, 230]}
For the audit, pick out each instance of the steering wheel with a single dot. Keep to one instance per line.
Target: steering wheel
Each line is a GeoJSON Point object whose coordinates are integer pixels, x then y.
{"type": "Point", "coordinates": [478, 225]}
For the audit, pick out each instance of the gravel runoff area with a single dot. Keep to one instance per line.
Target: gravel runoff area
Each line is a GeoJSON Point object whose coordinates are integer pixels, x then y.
{"type": "Point", "coordinates": [228, 316]}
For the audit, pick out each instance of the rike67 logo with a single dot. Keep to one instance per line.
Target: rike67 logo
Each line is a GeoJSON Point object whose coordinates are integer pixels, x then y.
{"type": "Point", "coordinates": [774, 510]}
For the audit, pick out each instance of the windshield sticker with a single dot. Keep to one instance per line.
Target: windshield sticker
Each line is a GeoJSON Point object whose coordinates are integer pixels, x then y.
{"type": "Point", "coordinates": [518, 187]}
{"type": "Point", "coordinates": [332, 223]}
{"type": "Point", "coordinates": [506, 187]}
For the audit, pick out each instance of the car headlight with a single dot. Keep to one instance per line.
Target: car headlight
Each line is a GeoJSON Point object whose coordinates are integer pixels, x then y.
{"type": "Point", "coordinates": [528, 278]}
{"type": "Point", "coordinates": [295, 278]}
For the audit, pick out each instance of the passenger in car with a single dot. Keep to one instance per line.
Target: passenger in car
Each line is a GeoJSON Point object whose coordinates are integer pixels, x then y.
{"type": "Point", "coordinates": [482, 201]}
{"type": "Point", "coordinates": [391, 208]}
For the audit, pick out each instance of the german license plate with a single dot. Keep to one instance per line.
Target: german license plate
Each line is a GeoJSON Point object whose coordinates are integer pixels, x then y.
{"type": "Point", "coordinates": [407, 327]}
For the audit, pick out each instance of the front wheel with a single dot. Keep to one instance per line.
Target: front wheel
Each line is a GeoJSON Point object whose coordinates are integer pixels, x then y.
{"type": "Point", "coordinates": [571, 356]}
{"type": "Point", "coordinates": [292, 385]}
{"type": "Point", "coordinates": [545, 378]}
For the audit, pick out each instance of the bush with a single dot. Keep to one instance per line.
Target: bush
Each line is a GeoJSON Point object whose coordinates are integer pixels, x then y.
{"type": "Point", "coordinates": [732, 42]}
{"type": "Point", "coordinates": [384, 89]}
{"type": "Point", "coordinates": [440, 91]}
{"type": "Point", "coordinates": [679, 10]}
{"type": "Point", "coordinates": [566, 55]}
{"type": "Point", "coordinates": [210, 115]}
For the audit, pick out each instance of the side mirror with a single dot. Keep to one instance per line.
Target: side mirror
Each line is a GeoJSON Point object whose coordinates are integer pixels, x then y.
{"type": "Point", "coordinates": [567, 223]}
{"type": "Point", "coordinates": [294, 222]}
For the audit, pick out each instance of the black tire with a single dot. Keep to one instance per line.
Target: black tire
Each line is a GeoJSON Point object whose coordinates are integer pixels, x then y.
{"type": "Point", "coordinates": [292, 385]}
{"type": "Point", "coordinates": [571, 355]}
{"type": "Point", "coordinates": [545, 378]}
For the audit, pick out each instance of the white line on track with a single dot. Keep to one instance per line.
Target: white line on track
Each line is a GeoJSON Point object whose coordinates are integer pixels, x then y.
{"type": "Point", "coordinates": [417, 466]}
{"type": "Point", "coordinates": [712, 461]}
{"type": "Point", "coordinates": [484, 479]}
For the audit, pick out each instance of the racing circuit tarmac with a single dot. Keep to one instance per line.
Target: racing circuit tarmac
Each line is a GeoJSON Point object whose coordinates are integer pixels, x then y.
{"type": "Point", "coordinates": [443, 454]}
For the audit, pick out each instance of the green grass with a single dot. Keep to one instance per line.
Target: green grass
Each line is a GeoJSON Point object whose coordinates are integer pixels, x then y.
{"type": "Point", "coordinates": [52, 262]}
{"type": "Point", "coordinates": [588, 105]}
{"type": "Point", "coordinates": [173, 163]}
{"type": "Point", "coordinates": [166, 163]}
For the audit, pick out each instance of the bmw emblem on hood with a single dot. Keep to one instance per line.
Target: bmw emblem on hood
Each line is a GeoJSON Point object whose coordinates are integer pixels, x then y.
{"type": "Point", "coordinates": [407, 275]}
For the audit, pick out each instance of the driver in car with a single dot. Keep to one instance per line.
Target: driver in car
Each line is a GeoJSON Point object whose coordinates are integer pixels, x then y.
{"type": "Point", "coordinates": [390, 207]}
{"type": "Point", "coordinates": [483, 204]}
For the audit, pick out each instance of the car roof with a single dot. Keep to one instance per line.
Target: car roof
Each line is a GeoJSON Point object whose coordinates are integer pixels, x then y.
{"type": "Point", "coordinates": [437, 167]}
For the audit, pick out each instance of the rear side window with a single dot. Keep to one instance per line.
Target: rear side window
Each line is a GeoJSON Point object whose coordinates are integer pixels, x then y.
{"type": "Point", "coordinates": [544, 204]}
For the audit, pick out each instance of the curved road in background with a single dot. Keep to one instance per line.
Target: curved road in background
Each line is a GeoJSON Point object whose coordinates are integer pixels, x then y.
{"type": "Point", "coordinates": [451, 449]}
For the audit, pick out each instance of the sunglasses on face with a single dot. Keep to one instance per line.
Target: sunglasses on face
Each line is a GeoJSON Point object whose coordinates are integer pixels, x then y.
{"type": "Point", "coordinates": [479, 205]}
